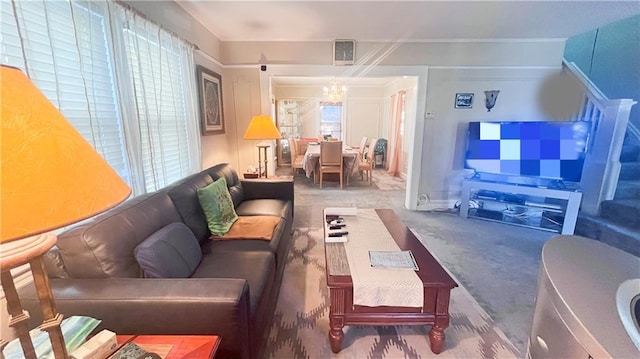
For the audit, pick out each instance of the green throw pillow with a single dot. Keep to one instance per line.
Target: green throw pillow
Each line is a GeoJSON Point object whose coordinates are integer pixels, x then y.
{"type": "Point", "coordinates": [217, 205]}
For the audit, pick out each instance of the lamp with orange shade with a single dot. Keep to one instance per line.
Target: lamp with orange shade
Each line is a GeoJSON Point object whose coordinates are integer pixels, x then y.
{"type": "Point", "coordinates": [50, 177]}
{"type": "Point", "coordinates": [262, 128]}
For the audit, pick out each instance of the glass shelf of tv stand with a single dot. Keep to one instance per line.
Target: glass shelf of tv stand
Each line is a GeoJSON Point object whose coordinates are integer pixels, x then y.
{"type": "Point", "coordinates": [532, 214]}
{"type": "Point", "coordinates": [535, 207]}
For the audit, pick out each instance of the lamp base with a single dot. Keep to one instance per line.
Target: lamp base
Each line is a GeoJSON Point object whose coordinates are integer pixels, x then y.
{"type": "Point", "coordinates": [14, 254]}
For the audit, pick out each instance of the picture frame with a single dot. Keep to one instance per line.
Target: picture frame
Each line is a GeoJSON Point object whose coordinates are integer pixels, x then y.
{"type": "Point", "coordinates": [210, 101]}
{"type": "Point", "coordinates": [344, 52]}
{"type": "Point", "coordinates": [464, 100]}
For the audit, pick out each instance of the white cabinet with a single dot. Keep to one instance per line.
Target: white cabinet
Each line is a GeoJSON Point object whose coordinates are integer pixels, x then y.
{"type": "Point", "coordinates": [289, 125]}
{"type": "Point", "coordinates": [547, 209]}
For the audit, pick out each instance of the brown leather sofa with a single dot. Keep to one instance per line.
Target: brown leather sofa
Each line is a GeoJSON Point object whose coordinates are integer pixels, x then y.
{"type": "Point", "coordinates": [232, 292]}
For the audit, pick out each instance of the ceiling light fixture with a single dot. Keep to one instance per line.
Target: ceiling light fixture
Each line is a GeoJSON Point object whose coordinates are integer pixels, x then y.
{"type": "Point", "coordinates": [335, 92]}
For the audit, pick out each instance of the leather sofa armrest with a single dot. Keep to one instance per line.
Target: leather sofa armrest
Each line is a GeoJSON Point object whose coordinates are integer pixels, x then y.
{"type": "Point", "coordinates": [268, 189]}
{"type": "Point", "coordinates": [156, 306]}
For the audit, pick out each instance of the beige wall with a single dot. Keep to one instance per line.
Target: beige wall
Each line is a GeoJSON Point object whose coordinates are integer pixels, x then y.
{"type": "Point", "coordinates": [445, 129]}
{"type": "Point", "coordinates": [244, 100]}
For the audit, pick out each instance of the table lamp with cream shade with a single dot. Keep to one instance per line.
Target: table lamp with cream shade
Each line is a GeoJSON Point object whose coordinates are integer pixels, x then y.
{"type": "Point", "coordinates": [51, 177]}
{"type": "Point", "coordinates": [262, 128]}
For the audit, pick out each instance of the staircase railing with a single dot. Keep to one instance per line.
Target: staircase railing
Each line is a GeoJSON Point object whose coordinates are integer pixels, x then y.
{"type": "Point", "coordinates": [610, 119]}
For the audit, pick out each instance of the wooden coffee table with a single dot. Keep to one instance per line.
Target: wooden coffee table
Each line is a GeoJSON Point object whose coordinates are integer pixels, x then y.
{"type": "Point", "coordinates": [437, 288]}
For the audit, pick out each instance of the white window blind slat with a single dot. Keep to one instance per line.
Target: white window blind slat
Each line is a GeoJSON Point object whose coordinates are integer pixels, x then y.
{"type": "Point", "coordinates": [67, 68]}
{"type": "Point", "coordinates": [67, 48]}
{"type": "Point", "coordinates": [162, 114]}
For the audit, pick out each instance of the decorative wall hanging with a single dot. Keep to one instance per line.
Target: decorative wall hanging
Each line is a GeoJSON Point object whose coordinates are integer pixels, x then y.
{"type": "Point", "coordinates": [210, 96]}
{"type": "Point", "coordinates": [464, 100]}
{"type": "Point", "coordinates": [490, 100]}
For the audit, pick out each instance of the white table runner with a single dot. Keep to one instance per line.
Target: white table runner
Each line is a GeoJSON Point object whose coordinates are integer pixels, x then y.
{"type": "Point", "coordinates": [375, 287]}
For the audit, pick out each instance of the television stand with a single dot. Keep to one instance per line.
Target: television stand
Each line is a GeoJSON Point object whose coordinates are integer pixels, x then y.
{"type": "Point", "coordinates": [548, 209]}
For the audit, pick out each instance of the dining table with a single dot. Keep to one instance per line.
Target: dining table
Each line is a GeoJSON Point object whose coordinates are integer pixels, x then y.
{"type": "Point", "coordinates": [311, 163]}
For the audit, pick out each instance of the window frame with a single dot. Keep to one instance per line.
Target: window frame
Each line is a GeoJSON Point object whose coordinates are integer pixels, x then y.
{"type": "Point", "coordinates": [330, 123]}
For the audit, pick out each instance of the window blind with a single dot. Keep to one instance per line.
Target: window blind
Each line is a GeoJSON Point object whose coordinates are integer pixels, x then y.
{"type": "Point", "coordinates": [63, 48]}
{"type": "Point", "coordinates": [159, 79]}
{"type": "Point", "coordinates": [123, 82]}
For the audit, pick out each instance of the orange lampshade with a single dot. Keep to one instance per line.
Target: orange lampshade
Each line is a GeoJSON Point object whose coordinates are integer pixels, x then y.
{"type": "Point", "coordinates": [262, 128]}
{"type": "Point", "coordinates": [51, 176]}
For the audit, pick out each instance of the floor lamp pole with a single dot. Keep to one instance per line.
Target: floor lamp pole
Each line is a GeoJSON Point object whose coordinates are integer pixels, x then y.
{"type": "Point", "coordinates": [260, 148]}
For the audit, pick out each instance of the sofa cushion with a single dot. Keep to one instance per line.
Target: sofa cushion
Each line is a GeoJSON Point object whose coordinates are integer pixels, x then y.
{"type": "Point", "coordinates": [53, 264]}
{"type": "Point", "coordinates": [278, 245]}
{"type": "Point", "coordinates": [251, 227]}
{"type": "Point", "coordinates": [258, 268]}
{"type": "Point", "coordinates": [102, 247]}
{"type": "Point", "coordinates": [171, 252]}
{"type": "Point", "coordinates": [184, 195]}
{"type": "Point", "coordinates": [217, 205]}
{"type": "Point", "coordinates": [231, 176]}
{"type": "Point", "coordinates": [265, 207]}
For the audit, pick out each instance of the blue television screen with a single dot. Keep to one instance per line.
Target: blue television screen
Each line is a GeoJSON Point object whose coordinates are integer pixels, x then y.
{"type": "Point", "coordinates": [553, 150]}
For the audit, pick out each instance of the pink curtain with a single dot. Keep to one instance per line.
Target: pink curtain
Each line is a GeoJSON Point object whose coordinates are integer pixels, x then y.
{"type": "Point", "coordinates": [394, 145]}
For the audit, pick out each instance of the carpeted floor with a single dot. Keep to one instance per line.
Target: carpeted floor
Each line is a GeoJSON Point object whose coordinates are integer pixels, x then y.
{"type": "Point", "coordinates": [385, 182]}
{"type": "Point", "coordinates": [497, 263]}
{"type": "Point", "coordinates": [301, 322]}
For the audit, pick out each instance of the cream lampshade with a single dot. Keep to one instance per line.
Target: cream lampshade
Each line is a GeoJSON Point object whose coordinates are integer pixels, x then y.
{"type": "Point", "coordinates": [51, 177]}
{"type": "Point", "coordinates": [262, 128]}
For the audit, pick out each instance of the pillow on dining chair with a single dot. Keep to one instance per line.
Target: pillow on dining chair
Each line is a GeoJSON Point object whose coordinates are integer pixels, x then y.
{"type": "Point", "coordinates": [363, 145]}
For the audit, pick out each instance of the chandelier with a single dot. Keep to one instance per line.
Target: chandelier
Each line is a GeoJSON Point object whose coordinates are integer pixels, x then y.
{"type": "Point", "coordinates": [335, 92]}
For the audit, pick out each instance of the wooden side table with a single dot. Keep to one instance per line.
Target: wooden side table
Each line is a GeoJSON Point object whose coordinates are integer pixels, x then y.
{"type": "Point", "coordinates": [250, 175]}
{"type": "Point", "coordinates": [175, 346]}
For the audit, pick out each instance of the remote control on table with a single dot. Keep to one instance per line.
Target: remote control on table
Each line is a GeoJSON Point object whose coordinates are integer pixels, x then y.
{"type": "Point", "coordinates": [338, 234]}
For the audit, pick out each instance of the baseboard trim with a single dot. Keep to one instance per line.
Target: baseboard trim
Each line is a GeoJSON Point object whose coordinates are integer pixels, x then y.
{"type": "Point", "coordinates": [436, 205]}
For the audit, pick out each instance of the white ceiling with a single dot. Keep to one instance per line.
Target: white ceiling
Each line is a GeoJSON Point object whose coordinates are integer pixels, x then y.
{"type": "Point", "coordinates": [425, 20]}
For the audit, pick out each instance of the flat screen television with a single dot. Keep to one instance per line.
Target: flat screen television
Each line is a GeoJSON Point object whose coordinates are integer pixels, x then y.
{"type": "Point", "coordinates": [550, 150]}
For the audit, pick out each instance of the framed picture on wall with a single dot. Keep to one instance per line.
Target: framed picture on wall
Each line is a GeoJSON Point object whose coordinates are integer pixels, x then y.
{"type": "Point", "coordinates": [464, 100]}
{"type": "Point", "coordinates": [210, 101]}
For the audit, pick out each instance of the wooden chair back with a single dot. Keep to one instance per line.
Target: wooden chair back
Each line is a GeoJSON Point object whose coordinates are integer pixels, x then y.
{"type": "Point", "coordinates": [293, 147]}
{"type": "Point", "coordinates": [331, 160]}
{"type": "Point", "coordinates": [331, 153]}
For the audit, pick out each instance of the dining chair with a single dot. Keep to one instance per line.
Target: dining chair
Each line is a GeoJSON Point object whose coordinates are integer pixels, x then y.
{"type": "Point", "coordinates": [362, 148]}
{"type": "Point", "coordinates": [297, 159]}
{"type": "Point", "coordinates": [366, 165]}
{"type": "Point", "coordinates": [331, 159]}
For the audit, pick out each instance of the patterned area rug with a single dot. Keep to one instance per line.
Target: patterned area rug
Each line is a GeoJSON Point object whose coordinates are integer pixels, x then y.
{"type": "Point", "coordinates": [301, 321]}
{"type": "Point", "coordinates": [386, 182]}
